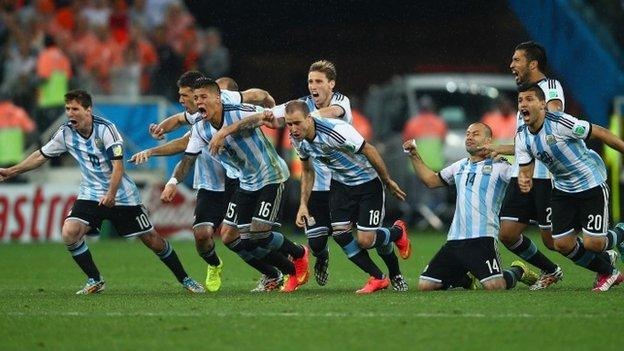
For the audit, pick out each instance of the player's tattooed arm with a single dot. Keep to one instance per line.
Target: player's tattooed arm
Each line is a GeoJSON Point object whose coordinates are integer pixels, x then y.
{"type": "Point", "coordinates": [180, 171]}
{"type": "Point", "coordinates": [34, 160]}
{"type": "Point", "coordinates": [253, 121]}
{"type": "Point", "coordinates": [430, 178]}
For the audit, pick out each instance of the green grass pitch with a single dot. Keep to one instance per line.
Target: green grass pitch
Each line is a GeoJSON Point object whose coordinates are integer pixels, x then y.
{"type": "Point", "coordinates": [144, 308]}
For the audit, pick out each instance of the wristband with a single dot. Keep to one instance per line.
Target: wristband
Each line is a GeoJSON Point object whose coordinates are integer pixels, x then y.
{"type": "Point", "coordinates": [172, 181]}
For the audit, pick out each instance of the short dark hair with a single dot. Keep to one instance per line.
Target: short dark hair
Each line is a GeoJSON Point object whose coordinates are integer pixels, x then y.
{"type": "Point", "coordinates": [297, 105]}
{"type": "Point", "coordinates": [534, 52]}
{"type": "Point", "coordinates": [187, 78]}
{"type": "Point", "coordinates": [206, 83]}
{"type": "Point", "coordinates": [488, 130]}
{"type": "Point", "coordinates": [230, 83]}
{"type": "Point", "coordinates": [326, 67]}
{"type": "Point", "coordinates": [83, 98]}
{"type": "Point", "coordinates": [534, 88]}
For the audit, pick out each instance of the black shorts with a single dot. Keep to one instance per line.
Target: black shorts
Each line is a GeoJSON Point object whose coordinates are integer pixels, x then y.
{"type": "Point", "coordinates": [127, 220]}
{"type": "Point", "coordinates": [363, 204]}
{"type": "Point", "coordinates": [211, 205]}
{"type": "Point", "coordinates": [478, 256]}
{"type": "Point", "coordinates": [263, 205]}
{"type": "Point", "coordinates": [533, 206]}
{"type": "Point", "coordinates": [587, 210]}
{"type": "Point", "coordinates": [318, 207]}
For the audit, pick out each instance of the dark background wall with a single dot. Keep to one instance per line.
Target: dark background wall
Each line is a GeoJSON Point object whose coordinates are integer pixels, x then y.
{"type": "Point", "coordinates": [272, 43]}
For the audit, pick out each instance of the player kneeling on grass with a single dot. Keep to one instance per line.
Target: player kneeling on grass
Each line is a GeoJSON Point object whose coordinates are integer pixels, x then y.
{"type": "Point", "coordinates": [106, 191]}
{"type": "Point", "coordinates": [471, 246]}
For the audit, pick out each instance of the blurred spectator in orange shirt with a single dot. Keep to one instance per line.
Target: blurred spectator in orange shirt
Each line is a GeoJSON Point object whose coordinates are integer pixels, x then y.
{"type": "Point", "coordinates": [14, 126]}
{"type": "Point", "coordinates": [147, 56]}
{"type": "Point", "coordinates": [83, 41]}
{"type": "Point", "coordinates": [360, 122]}
{"type": "Point", "coordinates": [53, 72]}
{"type": "Point", "coordinates": [502, 120]}
{"type": "Point", "coordinates": [101, 59]}
{"type": "Point", "coordinates": [51, 60]}
{"type": "Point", "coordinates": [426, 123]}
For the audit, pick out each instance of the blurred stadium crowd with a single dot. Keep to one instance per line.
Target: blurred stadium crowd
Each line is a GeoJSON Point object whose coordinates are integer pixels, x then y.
{"type": "Point", "coordinates": [126, 48]}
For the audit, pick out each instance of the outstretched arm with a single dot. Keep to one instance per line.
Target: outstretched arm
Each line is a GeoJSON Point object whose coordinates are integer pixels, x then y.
{"type": "Point", "coordinates": [377, 162]}
{"type": "Point", "coordinates": [607, 137]}
{"type": "Point", "coordinates": [333, 111]}
{"type": "Point", "coordinates": [158, 131]}
{"type": "Point", "coordinates": [173, 147]}
{"type": "Point", "coordinates": [258, 97]}
{"type": "Point", "coordinates": [34, 160]}
{"type": "Point", "coordinates": [430, 178]}
{"type": "Point", "coordinates": [495, 150]}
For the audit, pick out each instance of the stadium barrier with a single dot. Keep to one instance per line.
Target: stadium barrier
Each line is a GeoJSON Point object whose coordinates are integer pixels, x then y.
{"type": "Point", "coordinates": [35, 213]}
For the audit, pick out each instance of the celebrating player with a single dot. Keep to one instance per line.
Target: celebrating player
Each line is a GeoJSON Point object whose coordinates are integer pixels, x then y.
{"type": "Point", "coordinates": [106, 191]}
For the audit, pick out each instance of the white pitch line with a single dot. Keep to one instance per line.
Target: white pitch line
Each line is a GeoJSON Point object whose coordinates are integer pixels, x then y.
{"type": "Point", "coordinates": [296, 315]}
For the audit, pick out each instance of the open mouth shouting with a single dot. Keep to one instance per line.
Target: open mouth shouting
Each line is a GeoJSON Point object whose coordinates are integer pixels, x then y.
{"type": "Point", "coordinates": [516, 76]}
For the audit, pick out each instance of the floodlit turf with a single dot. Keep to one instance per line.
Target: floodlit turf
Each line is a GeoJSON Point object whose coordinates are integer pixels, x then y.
{"type": "Point", "coordinates": [143, 307]}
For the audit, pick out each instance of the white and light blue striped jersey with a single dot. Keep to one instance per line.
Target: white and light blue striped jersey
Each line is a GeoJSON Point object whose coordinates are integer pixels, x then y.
{"type": "Point", "coordinates": [480, 191]}
{"type": "Point", "coordinates": [552, 91]}
{"type": "Point", "coordinates": [248, 151]}
{"type": "Point", "coordinates": [209, 172]}
{"type": "Point", "coordinates": [322, 179]}
{"type": "Point", "coordinates": [322, 174]}
{"type": "Point", "coordinates": [94, 155]}
{"type": "Point", "coordinates": [560, 145]}
{"type": "Point", "coordinates": [337, 144]}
